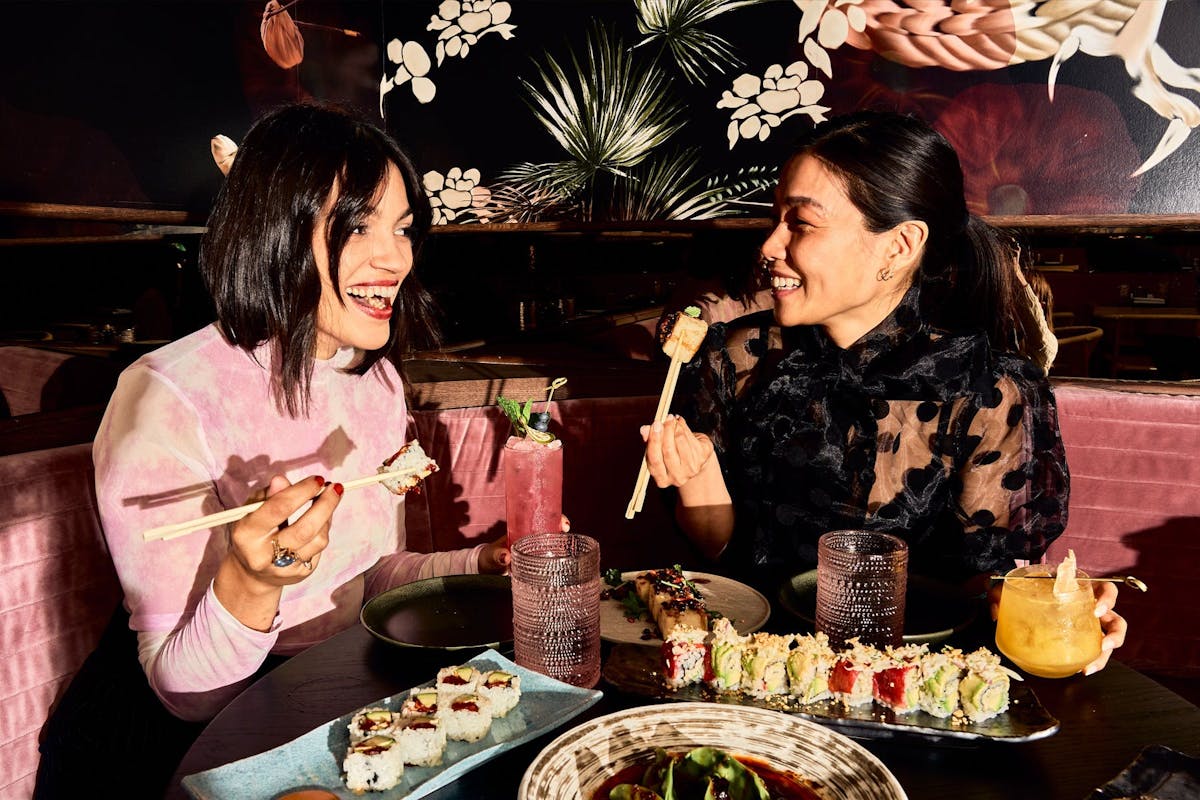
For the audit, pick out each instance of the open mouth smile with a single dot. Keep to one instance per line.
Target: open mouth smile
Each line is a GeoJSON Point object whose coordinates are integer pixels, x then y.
{"type": "Point", "coordinates": [374, 300]}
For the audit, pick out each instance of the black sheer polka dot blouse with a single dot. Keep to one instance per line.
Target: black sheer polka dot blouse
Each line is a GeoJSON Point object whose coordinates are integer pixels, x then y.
{"type": "Point", "coordinates": [924, 434]}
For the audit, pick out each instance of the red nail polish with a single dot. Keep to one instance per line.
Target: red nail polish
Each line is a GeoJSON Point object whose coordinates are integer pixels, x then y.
{"type": "Point", "coordinates": [337, 487]}
{"type": "Point", "coordinates": [320, 481]}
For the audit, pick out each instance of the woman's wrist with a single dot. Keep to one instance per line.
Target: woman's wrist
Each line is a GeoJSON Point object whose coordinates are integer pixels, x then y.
{"type": "Point", "coordinates": [252, 601]}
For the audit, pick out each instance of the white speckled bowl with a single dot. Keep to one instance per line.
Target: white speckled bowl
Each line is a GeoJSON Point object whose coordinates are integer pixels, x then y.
{"type": "Point", "coordinates": [576, 764]}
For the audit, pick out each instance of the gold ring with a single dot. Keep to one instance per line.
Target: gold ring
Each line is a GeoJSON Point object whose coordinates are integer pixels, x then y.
{"type": "Point", "coordinates": [282, 556]}
{"type": "Point", "coordinates": [307, 564]}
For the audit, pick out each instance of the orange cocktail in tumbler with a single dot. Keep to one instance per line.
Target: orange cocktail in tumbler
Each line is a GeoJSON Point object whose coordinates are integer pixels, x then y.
{"type": "Point", "coordinates": [1047, 633]}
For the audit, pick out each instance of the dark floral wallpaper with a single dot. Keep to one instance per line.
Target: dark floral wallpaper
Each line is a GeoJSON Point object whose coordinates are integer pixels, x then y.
{"type": "Point", "coordinates": [526, 110]}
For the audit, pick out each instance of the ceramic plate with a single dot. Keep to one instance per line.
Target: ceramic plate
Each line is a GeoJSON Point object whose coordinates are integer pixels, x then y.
{"type": "Point", "coordinates": [933, 611]}
{"type": "Point", "coordinates": [454, 612]}
{"type": "Point", "coordinates": [576, 764]}
{"type": "Point", "coordinates": [744, 606]}
{"type": "Point", "coordinates": [1158, 772]}
{"type": "Point", "coordinates": [314, 760]}
{"type": "Point", "coordinates": [636, 670]}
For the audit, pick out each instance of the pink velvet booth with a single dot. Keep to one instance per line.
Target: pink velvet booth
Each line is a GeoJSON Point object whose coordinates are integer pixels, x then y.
{"type": "Point", "coordinates": [1135, 510]}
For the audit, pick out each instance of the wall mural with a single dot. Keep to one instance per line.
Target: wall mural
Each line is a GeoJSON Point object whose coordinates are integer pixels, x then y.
{"type": "Point", "coordinates": [528, 110]}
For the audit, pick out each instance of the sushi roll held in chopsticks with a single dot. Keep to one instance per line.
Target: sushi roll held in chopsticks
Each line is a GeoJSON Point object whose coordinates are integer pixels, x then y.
{"type": "Point", "coordinates": [373, 764]}
{"type": "Point", "coordinates": [411, 460]}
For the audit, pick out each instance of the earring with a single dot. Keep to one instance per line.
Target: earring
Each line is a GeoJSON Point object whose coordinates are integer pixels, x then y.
{"type": "Point", "coordinates": [765, 262]}
{"type": "Point", "coordinates": [885, 274]}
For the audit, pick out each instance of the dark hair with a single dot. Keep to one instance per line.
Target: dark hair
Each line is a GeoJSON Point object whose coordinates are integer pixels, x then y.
{"type": "Point", "coordinates": [896, 168]}
{"type": "Point", "coordinates": [257, 255]}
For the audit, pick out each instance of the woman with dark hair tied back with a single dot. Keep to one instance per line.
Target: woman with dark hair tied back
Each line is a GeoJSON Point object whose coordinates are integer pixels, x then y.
{"type": "Point", "coordinates": [883, 392]}
{"type": "Point", "coordinates": [309, 257]}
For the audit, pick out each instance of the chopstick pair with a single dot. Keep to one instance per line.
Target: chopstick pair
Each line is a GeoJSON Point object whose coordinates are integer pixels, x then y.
{"type": "Point", "coordinates": [234, 514]}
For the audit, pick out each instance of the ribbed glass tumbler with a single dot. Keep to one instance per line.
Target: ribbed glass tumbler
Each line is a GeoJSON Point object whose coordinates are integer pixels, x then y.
{"type": "Point", "coordinates": [556, 606]}
{"type": "Point", "coordinates": [862, 577]}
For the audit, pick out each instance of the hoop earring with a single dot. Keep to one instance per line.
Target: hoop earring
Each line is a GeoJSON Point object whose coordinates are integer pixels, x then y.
{"type": "Point", "coordinates": [885, 274]}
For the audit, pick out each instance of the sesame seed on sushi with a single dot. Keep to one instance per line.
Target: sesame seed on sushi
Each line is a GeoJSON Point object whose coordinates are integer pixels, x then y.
{"type": "Point", "coordinates": [467, 717]}
{"type": "Point", "coordinates": [371, 721]}
{"type": "Point", "coordinates": [453, 681]}
{"type": "Point", "coordinates": [502, 689]}
{"type": "Point", "coordinates": [809, 663]}
{"type": "Point", "coordinates": [420, 704]}
{"type": "Point", "coordinates": [852, 679]}
{"type": "Point", "coordinates": [422, 741]}
{"type": "Point", "coordinates": [683, 654]}
{"type": "Point", "coordinates": [373, 764]}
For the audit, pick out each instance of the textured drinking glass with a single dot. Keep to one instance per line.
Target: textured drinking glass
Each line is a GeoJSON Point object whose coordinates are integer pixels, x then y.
{"type": "Point", "coordinates": [1045, 633]}
{"type": "Point", "coordinates": [556, 606]}
{"type": "Point", "coordinates": [862, 577]}
{"type": "Point", "coordinates": [533, 478]}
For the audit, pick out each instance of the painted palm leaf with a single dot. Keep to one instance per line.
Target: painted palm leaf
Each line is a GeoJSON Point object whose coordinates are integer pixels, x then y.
{"type": "Point", "coordinates": [666, 189]}
{"type": "Point", "coordinates": [607, 115]}
{"type": "Point", "coordinates": [676, 24]}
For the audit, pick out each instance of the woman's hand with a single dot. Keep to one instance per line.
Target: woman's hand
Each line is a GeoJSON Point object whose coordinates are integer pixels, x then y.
{"type": "Point", "coordinates": [1112, 624]}
{"type": "Point", "coordinates": [495, 558]}
{"type": "Point", "coordinates": [674, 454]}
{"type": "Point", "coordinates": [249, 581]}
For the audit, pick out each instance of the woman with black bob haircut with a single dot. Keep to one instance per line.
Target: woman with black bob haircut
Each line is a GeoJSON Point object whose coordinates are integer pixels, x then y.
{"type": "Point", "coordinates": [309, 258]}
{"type": "Point", "coordinates": [883, 391]}
{"type": "Point", "coordinates": [265, 285]}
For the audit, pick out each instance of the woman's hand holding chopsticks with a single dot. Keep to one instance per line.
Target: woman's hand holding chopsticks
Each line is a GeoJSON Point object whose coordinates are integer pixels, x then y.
{"type": "Point", "coordinates": [266, 552]}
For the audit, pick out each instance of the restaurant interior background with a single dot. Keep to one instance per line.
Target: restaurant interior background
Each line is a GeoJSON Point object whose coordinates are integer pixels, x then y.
{"type": "Point", "coordinates": [589, 162]}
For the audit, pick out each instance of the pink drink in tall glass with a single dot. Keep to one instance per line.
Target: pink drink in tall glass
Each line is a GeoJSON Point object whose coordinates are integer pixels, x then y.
{"type": "Point", "coordinates": [533, 477]}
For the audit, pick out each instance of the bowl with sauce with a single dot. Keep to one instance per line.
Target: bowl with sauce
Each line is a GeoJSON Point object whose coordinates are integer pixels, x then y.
{"type": "Point", "coordinates": [795, 758]}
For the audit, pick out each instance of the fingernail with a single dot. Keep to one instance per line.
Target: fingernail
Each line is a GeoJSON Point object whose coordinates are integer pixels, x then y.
{"type": "Point", "coordinates": [657, 427]}
{"type": "Point", "coordinates": [645, 429]}
{"type": "Point", "coordinates": [337, 487]}
{"type": "Point", "coordinates": [1090, 670]}
{"type": "Point", "coordinates": [320, 481]}
{"type": "Point", "coordinates": [1101, 611]}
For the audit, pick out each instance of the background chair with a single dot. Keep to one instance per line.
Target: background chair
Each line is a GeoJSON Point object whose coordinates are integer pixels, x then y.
{"type": "Point", "coordinates": [1076, 344]}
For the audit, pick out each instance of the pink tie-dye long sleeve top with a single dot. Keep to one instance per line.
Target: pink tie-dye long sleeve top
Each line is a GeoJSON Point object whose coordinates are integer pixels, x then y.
{"type": "Point", "coordinates": [192, 429]}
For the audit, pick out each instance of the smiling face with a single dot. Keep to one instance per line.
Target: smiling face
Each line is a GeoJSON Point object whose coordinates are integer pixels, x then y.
{"type": "Point", "coordinates": [826, 263]}
{"type": "Point", "coordinates": [376, 259]}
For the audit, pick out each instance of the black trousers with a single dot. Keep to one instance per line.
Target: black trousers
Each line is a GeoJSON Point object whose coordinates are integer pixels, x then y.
{"type": "Point", "coordinates": [110, 729]}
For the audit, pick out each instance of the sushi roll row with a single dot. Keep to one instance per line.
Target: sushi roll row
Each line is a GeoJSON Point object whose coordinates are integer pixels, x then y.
{"type": "Point", "coordinates": [460, 707]}
{"type": "Point", "coordinates": [806, 668]}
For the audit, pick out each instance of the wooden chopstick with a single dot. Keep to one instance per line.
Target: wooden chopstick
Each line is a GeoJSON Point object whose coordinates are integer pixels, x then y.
{"type": "Point", "coordinates": [234, 514]}
{"type": "Point", "coordinates": [664, 405]}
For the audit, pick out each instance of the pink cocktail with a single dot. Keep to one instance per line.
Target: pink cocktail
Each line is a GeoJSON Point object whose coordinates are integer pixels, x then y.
{"type": "Point", "coordinates": [533, 478]}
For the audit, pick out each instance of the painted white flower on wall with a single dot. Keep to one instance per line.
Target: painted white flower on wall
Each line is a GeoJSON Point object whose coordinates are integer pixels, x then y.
{"type": "Point", "coordinates": [456, 195]}
{"type": "Point", "coordinates": [762, 104]}
{"type": "Point", "coordinates": [462, 23]}
{"type": "Point", "coordinates": [412, 67]}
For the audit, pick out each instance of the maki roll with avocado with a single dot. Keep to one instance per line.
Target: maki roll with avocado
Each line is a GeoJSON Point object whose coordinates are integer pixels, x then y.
{"type": "Point", "coordinates": [724, 669]}
{"type": "Point", "coordinates": [983, 691]}
{"type": "Point", "coordinates": [897, 682]}
{"type": "Point", "coordinates": [420, 704]}
{"type": "Point", "coordinates": [422, 741]}
{"type": "Point", "coordinates": [502, 689]}
{"type": "Point", "coordinates": [939, 680]}
{"type": "Point", "coordinates": [372, 721]}
{"type": "Point", "coordinates": [452, 681]}
{"type": "Point", "coordinates": [808, 666]}
{"type": "Point", "coordinates": [764, 665]}
{"type": "Point", "coordinates": [852, 680]}
{"type": "Point", "coordinates": [373, 764]}
{"type": "Point", "coordinates": [467, 717]}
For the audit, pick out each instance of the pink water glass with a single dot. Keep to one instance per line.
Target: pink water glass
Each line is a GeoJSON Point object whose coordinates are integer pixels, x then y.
{"type": "Point", "coordinates": [533, 479]}
{"type": "Point", "coordinates": [862, 578]}
{"type": "Point", "coordinates": [556, 606]}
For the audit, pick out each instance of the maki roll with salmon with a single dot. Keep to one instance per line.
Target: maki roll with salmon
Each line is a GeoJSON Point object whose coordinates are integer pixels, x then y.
{"type": "Point", "coordinates": [502, 689]}
{"type": "Point", "coordinates": [724, 669]}
{"type": "Point", "coordinates": [983, 691]}
{"type": "Point", "coordinates": [422, 741]}
{"type": "Point", "coordinates": [452, 681]}
{"type": "Point", "coordinates": [420, 704]}
{"type": "Point", "coordinates": [764, 665]}
{"type": "Point", "coordinates": [467, 717]}
{"type": "Point", "coordinates": [939, 679]}
{"type": "Point", "coordinates": [683, 654]}
{"type": "Point", "coordinates": [809, 663]}
{"type": "Point", "coordinates": [373, 764]}
{"type": "Point", "coordinates": [852, 679]}
{"type": "Point", "coordinates": [897, 680]}
{"type": "Point", "coordinates": [371, 721]}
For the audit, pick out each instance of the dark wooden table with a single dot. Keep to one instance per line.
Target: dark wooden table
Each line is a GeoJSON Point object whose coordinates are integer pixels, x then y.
{"type": "Point", "coordinates": [1106, 720]}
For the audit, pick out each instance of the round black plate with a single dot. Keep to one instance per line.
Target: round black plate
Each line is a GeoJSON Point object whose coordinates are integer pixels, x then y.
{"type": "Point", "coordinates": [450, 613]}
{"type": "Point", "coordinates": [933, 611]}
